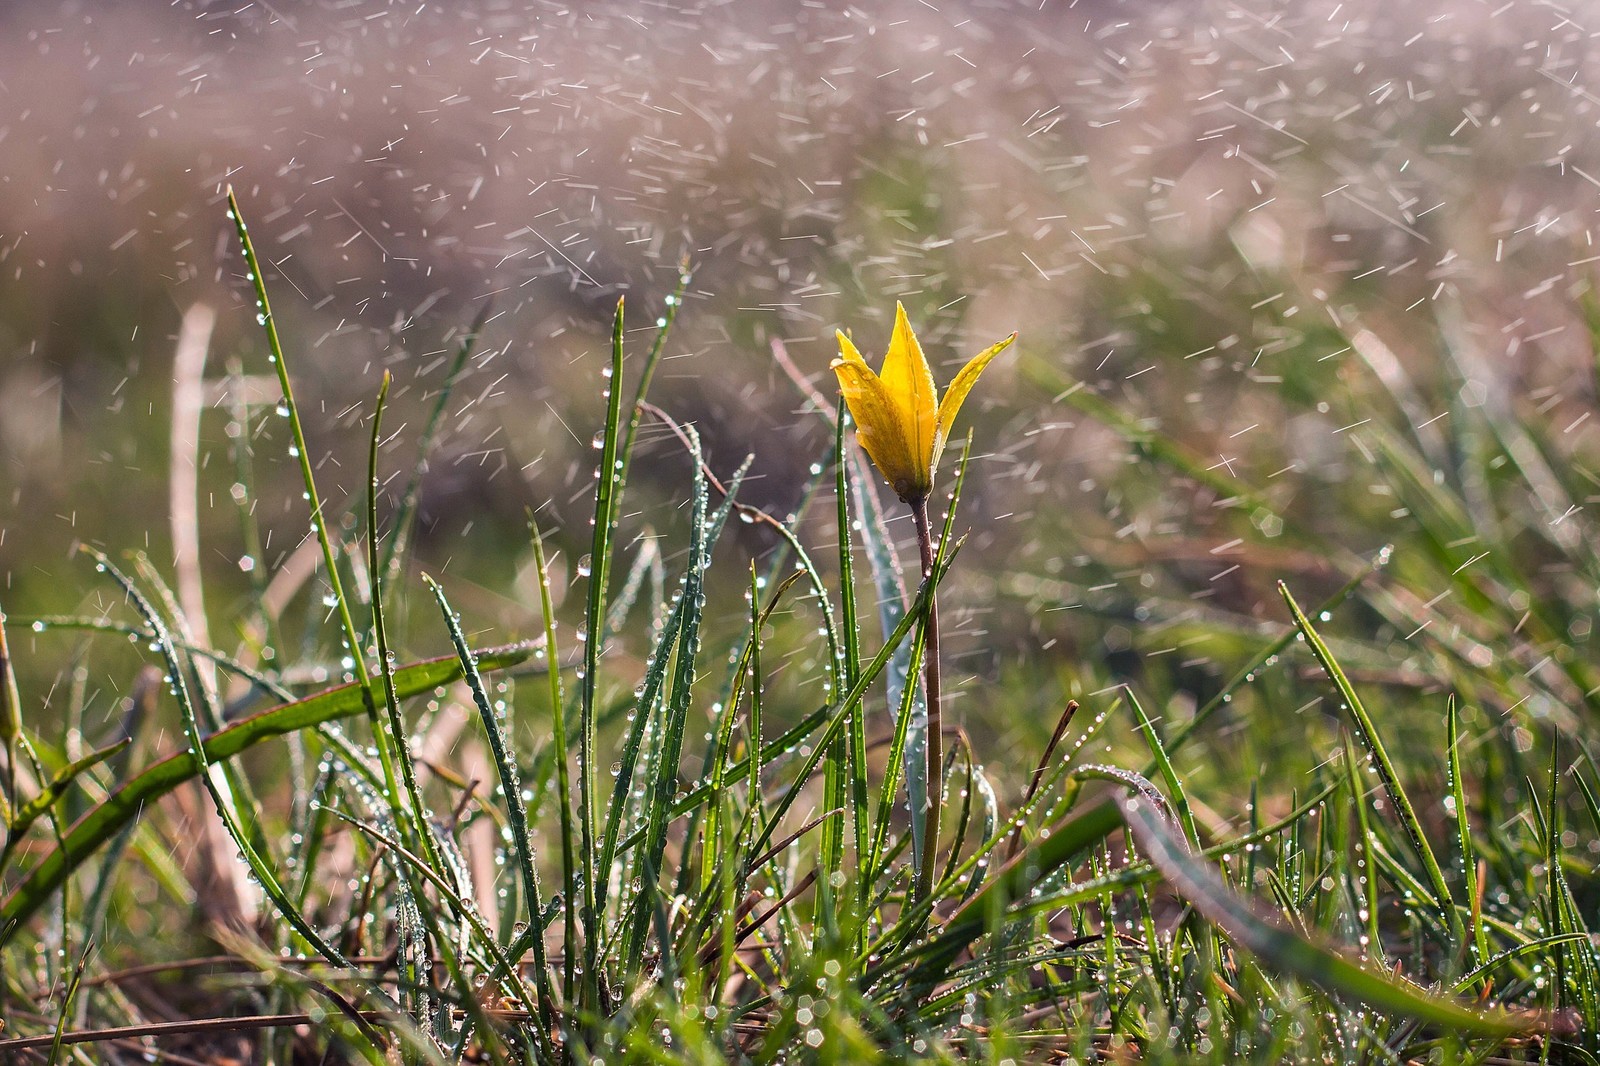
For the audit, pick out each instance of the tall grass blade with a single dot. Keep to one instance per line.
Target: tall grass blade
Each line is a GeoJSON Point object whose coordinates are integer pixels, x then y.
{"type": "Point", "coordinates": [1368, 733]}
{"type": "Point", "coordinates": [510, 789]}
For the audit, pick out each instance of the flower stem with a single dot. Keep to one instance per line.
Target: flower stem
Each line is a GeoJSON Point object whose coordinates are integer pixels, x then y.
{"type": "Point", "coordinates": [934, 740]}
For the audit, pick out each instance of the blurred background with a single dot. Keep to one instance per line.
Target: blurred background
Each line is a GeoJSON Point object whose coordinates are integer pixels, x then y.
{"type": "Point", "coordinates": [1242, 242]}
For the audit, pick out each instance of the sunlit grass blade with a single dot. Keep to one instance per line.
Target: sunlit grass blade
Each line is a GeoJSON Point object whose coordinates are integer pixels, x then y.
{"type": "Point", "coordinates": [1478, 940]}
{"type": "Point", "coordinates": [291, 410]}
{"type": "Point", "coordinates": [850, 634]}
{"type": "Point", "coordinates": [510, 795]}
{"type": "Point", "coordinates": [891, 599]}
{"type": "Point", "coordinates": [10, 726]}
{"type": "Point", "coordinates": [1365, 866]}
{"type": "Point", "coordinates": [559, 752]}
{"type": "Point", "coordinates": [1387, 774]}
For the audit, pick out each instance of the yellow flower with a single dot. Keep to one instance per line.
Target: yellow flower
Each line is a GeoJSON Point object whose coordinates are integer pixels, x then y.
{"type": "Point", "coordinates": [900, 420]}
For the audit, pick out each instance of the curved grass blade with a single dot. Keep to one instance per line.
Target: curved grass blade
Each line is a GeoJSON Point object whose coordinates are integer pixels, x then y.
{"type": "Point", "coordinates": [1385, 767]}
{"type": "Point", "coordinates": [10, 726]}
{"type": "Point", "coordinates": [511, 792]}
{"type": "Point", "coordinates": [1290, 953]}
{"type": "Point", "coordinates": [124, 805]}
{"type": "Point", "coordinates": [608, 489]}
{"type": "Point", "coordinates": [319, 520]}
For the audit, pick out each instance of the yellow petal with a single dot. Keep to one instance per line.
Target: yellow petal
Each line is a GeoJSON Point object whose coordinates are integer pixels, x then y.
{"type": "Point", "coordinates": [957, 392]}
{"type": "Point", "coordinates": [907, 378]}
{"type": "Point", "coordinates": [878, 425]}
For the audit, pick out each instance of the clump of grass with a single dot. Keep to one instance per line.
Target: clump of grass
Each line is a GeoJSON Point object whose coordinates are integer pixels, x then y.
{"type": "Point", "coordinates": [656, 844]}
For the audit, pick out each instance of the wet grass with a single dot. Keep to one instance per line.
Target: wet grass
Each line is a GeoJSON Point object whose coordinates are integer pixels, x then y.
{"type": "Point", "coordinates": [677, 824]}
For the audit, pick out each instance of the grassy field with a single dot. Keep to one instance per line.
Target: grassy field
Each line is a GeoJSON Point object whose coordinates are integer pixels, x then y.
{"type": "Point", "coordinates": [421, 671]}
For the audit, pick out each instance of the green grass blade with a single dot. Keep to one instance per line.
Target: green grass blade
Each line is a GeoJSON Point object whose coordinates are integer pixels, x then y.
{"type": "Point", "coordinates": [608, 488]}
{"type": "Point", "coordinates": [850, 636]}
{"type": "Point", "coordinates": [1458, 801]}
{"type": "Point", "coordinates": [1386, 771]}
{"type": "Point", "coordinates": [390, 735]}
{"type": "Point", "coordinates": [661, 790]}
{"type": "Point", "coordinates": [559, 746]}
{"type": "Point", "coordinates": [319, 522]}
{"type": "Point", "coordinates": [891, 598]}
{"type": "Point", "coordinates": [510, 789]}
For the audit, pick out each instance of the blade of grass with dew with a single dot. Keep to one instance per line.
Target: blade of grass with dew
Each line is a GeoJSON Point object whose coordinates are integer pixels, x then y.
{"type": "Point", "coordinates": [406, 810]}
{"type": "Point", "coordinates": [10, 725]}
{"type": "Point", "coordinates": [842, 769]}
{"type": "Point", "coordinates": [1169, 776]}
{"type": "Point", "coordinates": [850, 634]}
{"type": "Point", "coordinates": [409, 810]}
{"type": "Point", "coordinates": [1577, 968]}
{"type": "Point", "coordinates": [1478, 941]}
{"type": "Point", "coordinates": [616, 453]}
{"type": "Point", "coordinates": [608, 487]}
{"type": "Point", "coordinates": [101, 823]}
{"type": "Point", "coordinates": [560, 747]}
{"type": "Point", "coordinates": [891, 598]}
{"type": "Point", "coordinates": [648, 698]}
{"type": "Point", "coordinates": [511, 793]}
{"type": "Point", "coordinates": [357, 660]}
{"type": "Point", "coordinates": [978, 782]}
{"type": "Point", "coordinates": [1366, 872]}
{"type": "Point", "coordinates": [1368, 734]}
